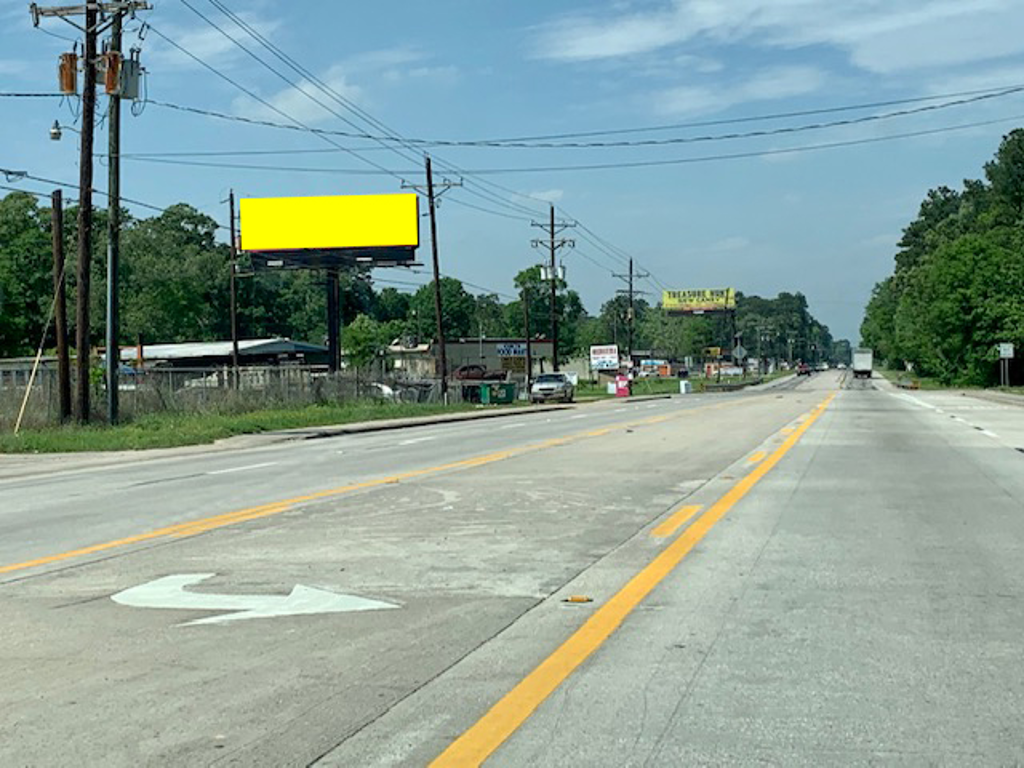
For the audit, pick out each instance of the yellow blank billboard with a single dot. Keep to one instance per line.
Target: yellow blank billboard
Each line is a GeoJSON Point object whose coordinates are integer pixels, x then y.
{"type": "Point", "coordinates": [699, 301]}
{"type": "Point", "coordinates": [336, 222]}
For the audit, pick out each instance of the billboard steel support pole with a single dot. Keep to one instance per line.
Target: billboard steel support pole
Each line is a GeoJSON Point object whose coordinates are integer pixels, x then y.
{"type": "Point", "coordinates": [333, 321]}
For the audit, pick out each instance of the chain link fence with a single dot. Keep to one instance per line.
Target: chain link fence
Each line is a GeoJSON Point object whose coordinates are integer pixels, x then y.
{"type": "Point", "coordinates": [210, 390]}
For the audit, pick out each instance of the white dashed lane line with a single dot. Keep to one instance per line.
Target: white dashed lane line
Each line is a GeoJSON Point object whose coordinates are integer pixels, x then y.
{"type": "Point", "coordinates": [242, 469]}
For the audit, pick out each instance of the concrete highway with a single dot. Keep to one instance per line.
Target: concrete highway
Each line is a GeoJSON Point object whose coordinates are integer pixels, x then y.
{"type": "Point", "coordinates": [829, 572]}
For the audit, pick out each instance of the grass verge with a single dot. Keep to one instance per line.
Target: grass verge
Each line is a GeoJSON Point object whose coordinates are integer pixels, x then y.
{"type": "Point", "coordinates": [169, 430]}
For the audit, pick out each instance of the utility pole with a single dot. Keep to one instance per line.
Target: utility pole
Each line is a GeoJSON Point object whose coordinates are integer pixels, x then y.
{"type": "Point", "coordinates": [433, 198]}
{"type": "Point", "coordinates": [526, 334]}
{"type": "Point", "coordinates": [553, 243]}
{"type": "Point", "coordinates": [442, 356]}
{"type": "Point", "coordinates": [235, 382]}
{"type": "Point", "coordinates": [631, 307]}
{"type": "Point", "coordinates": [97, 16]}
{"type": "Point", "coordinates": [113, 230]}
{"type": "Point", "coordinates": [61, 306]}
{"type": "Point", "coordinates": [82, 350]}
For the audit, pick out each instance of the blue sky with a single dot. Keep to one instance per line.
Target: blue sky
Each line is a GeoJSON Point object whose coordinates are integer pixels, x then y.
{"type": "Point", "coordinates": [823, 222]}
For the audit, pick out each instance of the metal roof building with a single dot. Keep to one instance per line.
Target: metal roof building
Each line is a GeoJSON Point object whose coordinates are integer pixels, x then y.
{"type": "Point", "coordinates": [213, 353]}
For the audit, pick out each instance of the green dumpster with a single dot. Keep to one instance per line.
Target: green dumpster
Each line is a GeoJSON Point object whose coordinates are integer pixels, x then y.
{"type": "Point", "coordinates": [500, 393]}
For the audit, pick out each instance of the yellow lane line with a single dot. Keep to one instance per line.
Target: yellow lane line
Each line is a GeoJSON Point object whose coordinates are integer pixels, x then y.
{"type": "Point", "coordinates": [195, 527]}
{"type": "Point", "coordinates": [481, 740]}
{"type": "Point", "coordinates": [756, 457]}
{"type": "Point", "coordinates": [680, 516]}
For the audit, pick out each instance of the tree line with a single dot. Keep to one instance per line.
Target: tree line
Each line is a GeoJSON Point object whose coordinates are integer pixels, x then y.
{"type": "Point", "coordinates": [957, 289]}
{"type": "Point", "coordinates": [175, 288]}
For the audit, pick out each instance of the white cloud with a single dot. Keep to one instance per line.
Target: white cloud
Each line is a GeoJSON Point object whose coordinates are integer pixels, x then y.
{"type": "Point", "coordinates": [548, 195]}
{"type": "Point", "coordinates": [206, 43]}
{"type": "Point", "coordinates": [769, 84]}
{"type": "Point", "coordinates": [292, 101]}
{"type": "Point", "coordinates": [882, 36]}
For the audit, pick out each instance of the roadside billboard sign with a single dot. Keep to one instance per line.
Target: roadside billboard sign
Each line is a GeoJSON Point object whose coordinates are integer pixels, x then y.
{"type": "Point", "coordinates": [604, 357]}
{"type": "Point", "coordinates": [513, 364]}
{"type": "Point", "coordinates": [1006, 351]}
{"type": "Point", "coordinates": [336, 222]}
{"type": "Point", "coordinates": [511, 349]}
{"type": "Point", "coordinates": [697, 302]}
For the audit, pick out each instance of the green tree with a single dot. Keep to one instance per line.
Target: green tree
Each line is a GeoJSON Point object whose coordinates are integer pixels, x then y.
{"type": "Point", "coordinates": [26, 283]}
{"type": "Point", "coordinates": [457, 313]}
{"type": "Point", "coordinates": [174, 286]}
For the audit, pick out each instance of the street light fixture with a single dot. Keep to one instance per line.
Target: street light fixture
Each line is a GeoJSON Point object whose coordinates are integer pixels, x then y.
{"type": "Point", "coordinates": [57, 130]}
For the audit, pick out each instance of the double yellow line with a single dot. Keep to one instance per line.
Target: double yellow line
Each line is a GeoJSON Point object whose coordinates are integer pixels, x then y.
{"type": "Point", "coordinates": [195, 527]}
{"type": "Point", "coordinates": [504, 718]}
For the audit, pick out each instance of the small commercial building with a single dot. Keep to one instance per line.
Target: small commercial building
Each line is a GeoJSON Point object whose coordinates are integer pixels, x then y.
{"type": "Point", "coordinates": [419, 361]}
{"type": "Point", "coordinates": [216, 354]}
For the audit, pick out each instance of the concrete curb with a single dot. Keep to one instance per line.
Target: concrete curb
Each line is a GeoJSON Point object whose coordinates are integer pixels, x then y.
{"type": "Point", "coordinates": [313, 433]}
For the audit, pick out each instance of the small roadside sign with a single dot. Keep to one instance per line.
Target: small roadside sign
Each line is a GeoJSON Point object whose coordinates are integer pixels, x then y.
{"type": "Point", "coordinates": [1006, 351]}
{"type": "Point", "coordinates": [511, 349]}
{"type": "Point", "coordinates": [738, 352]}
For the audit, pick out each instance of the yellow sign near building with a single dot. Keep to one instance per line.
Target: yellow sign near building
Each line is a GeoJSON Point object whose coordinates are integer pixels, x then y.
{"type": "Point", "coordinates": [335, 222]}
{"type": "Point", "coordinates": [699, 301]}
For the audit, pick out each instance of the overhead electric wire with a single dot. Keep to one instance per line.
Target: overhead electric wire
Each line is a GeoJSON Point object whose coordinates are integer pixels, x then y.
{"type": "Point", "coordinates": [633, 143]}
{"type": "Point", "coordinates": [312, 78]}
{"type": "Point", "coordinates": [603, 166]}
{"type": "Point", "coordinates": [266, 103]}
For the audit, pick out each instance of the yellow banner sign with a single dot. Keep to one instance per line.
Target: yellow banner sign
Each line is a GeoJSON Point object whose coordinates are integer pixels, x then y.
{"type": "Point", "coordinates": [336, 222]}
{"type": "Point", "coordinates": [696, 302]}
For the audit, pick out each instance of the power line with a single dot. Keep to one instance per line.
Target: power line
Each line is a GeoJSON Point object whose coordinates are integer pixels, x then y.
{"type": "Point", "coordinates": [602, 166]}
{"type": "Point", "coordinates": [633, 143]}
{"type": "Point", "coordinates": [757, 118]}
{"type": "Point", "coordinates": [325, 88]}
{"type": "Point", "coordinates": [266, 103]}
{"type": "Point", "coordinates": [66, 185]}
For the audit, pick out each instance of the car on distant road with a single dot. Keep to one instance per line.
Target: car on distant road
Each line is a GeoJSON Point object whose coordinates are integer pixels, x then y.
{"type": "Point", "coordinates": [803, 369]}
{"type": "Point", "coordinates": [552, 386]}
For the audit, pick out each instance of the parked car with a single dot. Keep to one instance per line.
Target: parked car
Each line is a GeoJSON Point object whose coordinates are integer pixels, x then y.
{"type": "Point", "coordinates": [552, 386]}
{"type": "Point", "coordinates": [474, 372]}
{"type": "Point", "coordinates": [803, 369]}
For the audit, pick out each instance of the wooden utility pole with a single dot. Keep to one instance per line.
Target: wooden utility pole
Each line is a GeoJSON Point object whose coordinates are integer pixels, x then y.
{"type": "Point", "coordinates": [82, 345]}
{"type": "Point", "coordinates": [553, 243]}
{"type": "Point", "coordinates": [114, 233]}
{"type": "Point", "coordinates": [554, 292]}
{"type": "Point", "coordinates": [97, 15]}
{"type": "Point", "coordinates": [434, 193]}
{"type": "Point", "coordinates": [234, 292]}
{"type": "Point", "coordinates": [60, 311]}
{"type": "Point", "coordinates": [631, 292]}
{"type": "Point", "coordinates": [113, 14]}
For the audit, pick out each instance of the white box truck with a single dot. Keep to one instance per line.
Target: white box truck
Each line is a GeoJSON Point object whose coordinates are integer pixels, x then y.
{"type": "Point", "coordinates": [863, 362]}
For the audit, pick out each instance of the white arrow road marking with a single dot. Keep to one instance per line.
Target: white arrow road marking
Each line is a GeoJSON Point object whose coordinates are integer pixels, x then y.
{"type": "Point", "coordinates": [169, 592]}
